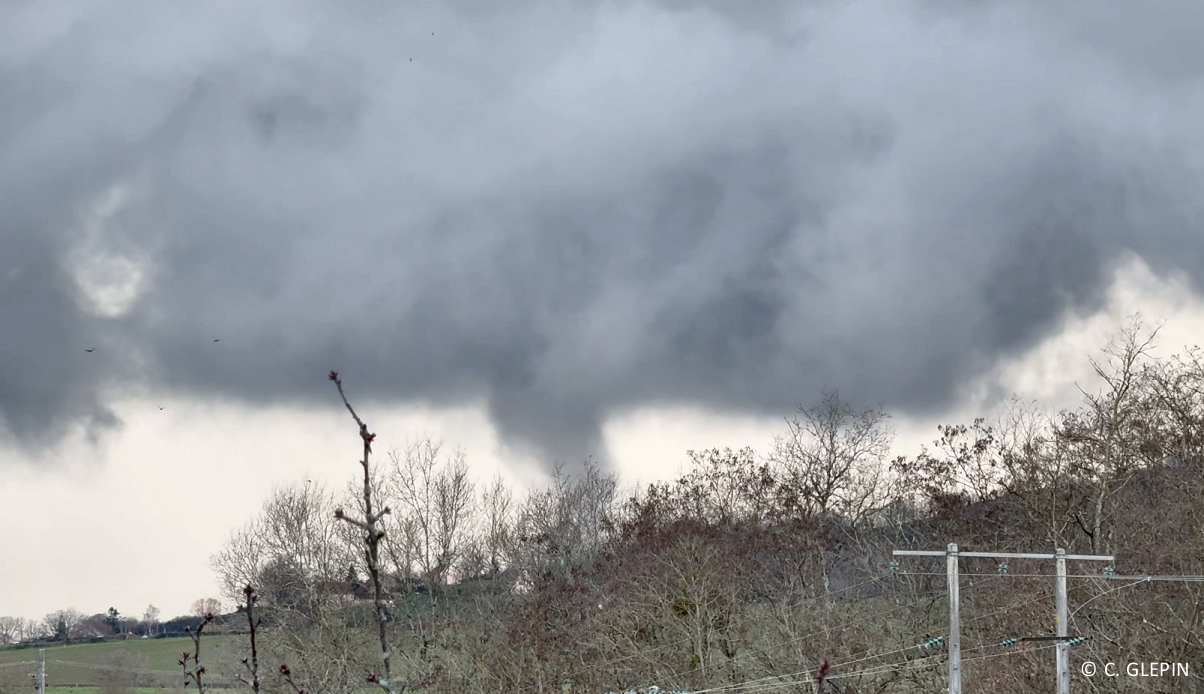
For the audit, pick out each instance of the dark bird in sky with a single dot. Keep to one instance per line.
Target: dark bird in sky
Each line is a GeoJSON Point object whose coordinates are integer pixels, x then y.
{"type": "Point", "coordinates": [90, 350]}
{"type": "Point", "coordinates": [218, 340]}
{"type": "Point", "coordinates": [160, 408]}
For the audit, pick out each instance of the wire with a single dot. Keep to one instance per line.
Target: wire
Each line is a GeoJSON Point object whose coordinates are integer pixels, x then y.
{"type": "Point", "coordinates": [1026, 602]}
{"type": "Point", "coordinates": [1185, 579]}
{"type": "Point", "coordinates": [817, 633]}
{"type": "Point", "coordinates": [964, 650]}
{"type": "Point", "coordinates": [1110, 590]}
{"type": "Point", "coordinates": [884, 668]}
{"type": "Point", "coordinates": [679, 642]}
{"type": "Point", "coordinates": [849, 623]}
{"type": "Point", "coordinates": [1099, 576]}
{"type": "Point", "coordinates": [888, 666]}
{"type": "Point", "coordinates": [745, 688]}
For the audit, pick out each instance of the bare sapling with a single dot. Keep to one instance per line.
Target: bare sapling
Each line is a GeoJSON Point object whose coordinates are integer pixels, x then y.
{"type": "Point", "coordinates": [251, 663]}
{"type": "Point", "coordinates": [372, 539]}
{"type": "Point", "coordinates": [195, 673]}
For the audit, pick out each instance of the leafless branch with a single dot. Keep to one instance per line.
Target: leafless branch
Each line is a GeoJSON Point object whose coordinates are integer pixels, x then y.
{"type": "Point", "coordinates": [372, 540]}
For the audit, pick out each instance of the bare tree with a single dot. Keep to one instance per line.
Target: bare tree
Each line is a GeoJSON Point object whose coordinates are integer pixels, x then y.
{"type": "Point", "coordinates": [1177, 390]}
{"type": "Point", "coordinates": [297, 553]}
{"type": "Point", "coordinates": [204, 606]}
{"type": "Point", "coordinates": [295, 550]}
{"type": "Point", "coordinates": [242, 559]}
{"type": "Point", "coordinates": [372, 540]}
{"type": "Point", "coordinates": [563, 523]}
{"type": "Point", "coordinates": [30, 629]}
{"type": "Point", "coordinates": [1036, 470]}
{"type": "Point", "coordinates": [488, 547]}
{"type": "Point", "coordinates": [63, 624]}
{"type": "Point", "coordinates": [455, 499]}
{"type": "Point", "coordinates": [1111, 431]}
{"type": "Point", "coordinates": [10, 630]}
{"type": "Point", "coordinates": [497, 503]}
{"type": "Point", "coordinates": [435, 501]}
{"type": "Point", "coordinates": [411, 482]}
{"type": "Point", "coordinates": [151, 618]}
{"type": "Point", "coordinates": [835, 457]}
{"type": "Point", "coordinates": [701, 602]}
{"type": "Point", "coordinates": [727, 486]}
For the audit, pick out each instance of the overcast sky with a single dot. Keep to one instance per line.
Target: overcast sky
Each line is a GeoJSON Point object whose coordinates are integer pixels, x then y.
{"type": "Point", "coordinates": [545, 230]}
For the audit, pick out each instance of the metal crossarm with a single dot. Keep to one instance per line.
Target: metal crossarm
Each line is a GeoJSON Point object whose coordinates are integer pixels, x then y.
{"type": "Point", "coordinates": [1006, 555]}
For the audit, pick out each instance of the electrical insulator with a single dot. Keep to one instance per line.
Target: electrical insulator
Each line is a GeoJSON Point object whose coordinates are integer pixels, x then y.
{"type": "Point", "coordinates": [1007, 642]}
{"type": "Point", "coordinates": [894, 566]}
{"type": "Point", "coordinates": [1003, 568]}
{"type": "Point", "coordinates": [1109, 571]}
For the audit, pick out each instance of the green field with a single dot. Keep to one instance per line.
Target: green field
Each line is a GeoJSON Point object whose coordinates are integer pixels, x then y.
{"type": "Point", "coordinates": [96, 690]}
{"type": "Point", "coordinates": [152, 663]}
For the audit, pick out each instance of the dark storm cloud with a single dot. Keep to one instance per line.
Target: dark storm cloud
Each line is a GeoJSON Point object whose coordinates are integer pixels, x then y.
{"type": "Point", "coordinates": [573, 208]}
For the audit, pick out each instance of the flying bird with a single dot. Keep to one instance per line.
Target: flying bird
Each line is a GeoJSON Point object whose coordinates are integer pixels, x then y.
{"type": "Point", "coordinates": [160, 408]}
{"type": "Point", "coordinates": [90, 350]}
{"type": "Point", "coordinates": [218, 340]}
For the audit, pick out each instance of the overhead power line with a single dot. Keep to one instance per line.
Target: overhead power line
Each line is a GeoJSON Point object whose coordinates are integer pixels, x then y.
{"type": "Point", "coordinates": [953, 555]}
{"type": "Point", "coordinates": [1104, 577]}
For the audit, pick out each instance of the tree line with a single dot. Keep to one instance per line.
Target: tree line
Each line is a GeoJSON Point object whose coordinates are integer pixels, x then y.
{"type": "Point", "coordinates": [69, 624]}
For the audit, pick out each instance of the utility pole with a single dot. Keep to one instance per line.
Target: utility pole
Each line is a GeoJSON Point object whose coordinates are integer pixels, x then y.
{"type": "Point", "coordinates": [1061, 648]}
{"type": "Point", "coordinates": [1062, 652]}
{"type": "Point", "coordinates": [41, 671]}
{"type": "Point", "coordinates": [955, 631]}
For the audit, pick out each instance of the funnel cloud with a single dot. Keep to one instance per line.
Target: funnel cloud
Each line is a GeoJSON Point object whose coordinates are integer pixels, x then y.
{"type": "Point", "coordinates": [568, 209]}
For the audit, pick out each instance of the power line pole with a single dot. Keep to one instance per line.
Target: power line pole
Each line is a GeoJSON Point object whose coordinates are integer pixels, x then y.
{"type": "Point", "coordinates": [1062, 652]}
{"type": "Point", "coordinates": [955, 631]}
{"type": "Point", "coordinates": [41, 671]}
{"type": "Point", "coordinates": [1061, 648]}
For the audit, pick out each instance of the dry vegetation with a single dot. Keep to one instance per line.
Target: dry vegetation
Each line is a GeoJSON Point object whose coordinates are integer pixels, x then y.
{"type": "Point", "coordinates": [749, 569]}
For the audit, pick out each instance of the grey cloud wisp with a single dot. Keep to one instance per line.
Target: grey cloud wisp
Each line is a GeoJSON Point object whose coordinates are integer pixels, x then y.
{"type": "Point", "coordinates": [571, 208]}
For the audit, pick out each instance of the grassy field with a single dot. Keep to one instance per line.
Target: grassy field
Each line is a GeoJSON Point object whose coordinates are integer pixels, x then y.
{"type": "Point", "coordinates": [153, 662]}
{"type": "Point", "coordinates": [83, 668]}
{"type": "Point", "coordinates": [139, 690]}
{"type": "Point", "coordinates": [95, 690]}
